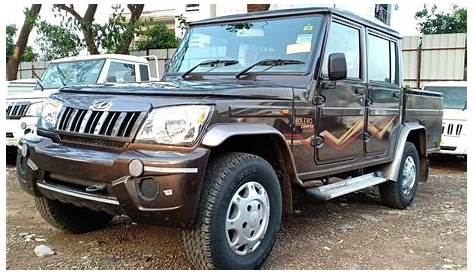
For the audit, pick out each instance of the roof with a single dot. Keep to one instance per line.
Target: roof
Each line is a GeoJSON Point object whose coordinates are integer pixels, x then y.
{"type": "Point", "coordinates": [294, 12]}
{"type": "Point", "coordinates": [446, 84]}
{"type": "Point", "coordinates": [122, 57]}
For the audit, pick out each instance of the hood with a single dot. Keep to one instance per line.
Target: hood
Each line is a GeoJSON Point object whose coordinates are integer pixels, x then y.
{"type": "Point", "coordinates": [31, 95]}
{"type": "Point", "coordinates": [183, 88]}
{"type": "Point", "coordinates": [454, 114]}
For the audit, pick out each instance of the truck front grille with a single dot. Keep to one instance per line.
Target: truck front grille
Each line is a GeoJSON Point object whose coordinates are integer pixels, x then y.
{"type": "Point", "coordinates": [85, 125]}
{"type": "Point", "coordinates": [452, 129]}
{"type": "Point", "coordinates": [17, 110]}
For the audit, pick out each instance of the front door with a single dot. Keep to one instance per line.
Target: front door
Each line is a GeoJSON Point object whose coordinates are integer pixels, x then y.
{"type": "Point", "coordinates": [383, 112]}
{"type": "Point", "coordinates": [340, 104]}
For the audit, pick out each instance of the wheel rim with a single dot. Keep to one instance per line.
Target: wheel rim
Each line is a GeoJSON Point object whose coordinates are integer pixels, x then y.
{"type": "Point", "coordinates": [409, 175]}
{"type": "Point", "coordinates": [247, 218]}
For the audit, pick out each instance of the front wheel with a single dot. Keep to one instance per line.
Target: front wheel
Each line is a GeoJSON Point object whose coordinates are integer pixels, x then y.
{"type": "Point", "coordinates": [239, 214]}
{"type": "Point", "coordinates": [400, 194]}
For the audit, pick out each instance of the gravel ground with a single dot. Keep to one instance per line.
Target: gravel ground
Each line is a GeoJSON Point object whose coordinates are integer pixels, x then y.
{"type": "Point", "coordinates": [352, 232]}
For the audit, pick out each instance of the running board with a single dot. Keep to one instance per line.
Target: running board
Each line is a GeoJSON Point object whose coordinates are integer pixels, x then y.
{"type": "Point", "coordinates": [334, 190]}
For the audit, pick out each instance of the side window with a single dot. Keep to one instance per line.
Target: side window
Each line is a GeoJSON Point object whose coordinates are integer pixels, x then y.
{"type": "Point", "coordinates": [121, 73]}
{"type": "Point", "coordinates": [144, 73]}
{"type": "Point", "coordinates": [378, 53]}
{"type": "Point", "coordinates": [344, 39]}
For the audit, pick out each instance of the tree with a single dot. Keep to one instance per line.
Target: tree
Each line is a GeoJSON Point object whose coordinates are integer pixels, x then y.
{"type": "Point", "coordinates": [114, 36]}
{"type": "Point", "coordinates": [433, 22]}
{"type": "Point", "coordinates": [257, 7]}
{"type": "Point", "coordinates": [156, 36]}
{"type": "Point", "coordinates": [31, 15]}
{"type": "Point", "coordinates": [57, 42]}
{"type": "Point", "coordinates": [28, 53]}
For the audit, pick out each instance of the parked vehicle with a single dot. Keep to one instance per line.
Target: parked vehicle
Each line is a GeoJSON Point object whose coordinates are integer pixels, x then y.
{"type": "Point", "coordinates": [251, 108]}
{"type": "Point", "coordinates": [454, 138]}
{"type": "Point", "coordinates": [23, 107]}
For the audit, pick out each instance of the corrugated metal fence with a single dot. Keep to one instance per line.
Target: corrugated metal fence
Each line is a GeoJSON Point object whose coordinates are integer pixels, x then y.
{"type": "Point", "coordinates": [437, 57]}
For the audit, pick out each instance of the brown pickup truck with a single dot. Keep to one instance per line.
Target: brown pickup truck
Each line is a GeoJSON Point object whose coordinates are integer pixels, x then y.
{"type": "Point", "coordinates": [251, 109]}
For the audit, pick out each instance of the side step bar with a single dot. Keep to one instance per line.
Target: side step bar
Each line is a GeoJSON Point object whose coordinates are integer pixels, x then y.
{"type": "Point", "coordinates": [334, 190]}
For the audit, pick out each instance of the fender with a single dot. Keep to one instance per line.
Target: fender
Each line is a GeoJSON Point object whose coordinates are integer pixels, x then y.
{"type": "Point", "coordinates": [392, 169]}
{"type": "Point", "coordinates": [217, 134]}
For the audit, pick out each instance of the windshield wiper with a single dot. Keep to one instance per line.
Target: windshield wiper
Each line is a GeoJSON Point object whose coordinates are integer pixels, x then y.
{"type": "Point", "coordinates": [270, 63]}
{"type": "Point", "coordinates": [38, 80]}
{"type": "Point", "coordinates": [61, 74]}
{"type": "Point", "coordinates": [212, 63]}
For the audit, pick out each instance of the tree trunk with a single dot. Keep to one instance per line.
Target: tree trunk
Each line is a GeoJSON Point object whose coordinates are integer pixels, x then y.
{"type": "Point", "coordinates": [86, 24]}
{"type": "Point", "coordinates": [14, 62]}
{"type": "Point", "coordinates": [257, 7]}
{"type": "Point", "coordinates": [135, 12]}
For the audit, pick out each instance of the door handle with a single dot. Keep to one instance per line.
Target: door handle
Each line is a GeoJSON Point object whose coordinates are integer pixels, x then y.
{"type": "Point", "coordinates": [396, 95]}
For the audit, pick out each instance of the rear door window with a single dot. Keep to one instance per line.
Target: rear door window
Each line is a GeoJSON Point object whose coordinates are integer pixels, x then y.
{"type": "Point", "coordinates": [144, 76]}
{"type": "Point", "coordinates": [121, 73]}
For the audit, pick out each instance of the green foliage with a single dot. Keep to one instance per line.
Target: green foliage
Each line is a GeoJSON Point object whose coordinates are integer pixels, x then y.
{"type": "Point", "coordinates": [57, 41]}
{"type": "Point", "coordinates": [155, 36]}
{"type": "Point", "coordinates": [109, 36]}
{"type": "Point", "coordinates": [430, 21]}
{"type": "Point", "coordinates": [28, 54]}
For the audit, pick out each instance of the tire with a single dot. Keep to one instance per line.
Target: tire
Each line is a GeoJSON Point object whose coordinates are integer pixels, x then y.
{"type": "Point", "coordinates": [394, 194]}
{"type": "Point", "coordinates": [71, 218]}
{"type": "Point", "coordinates": [227, 178]}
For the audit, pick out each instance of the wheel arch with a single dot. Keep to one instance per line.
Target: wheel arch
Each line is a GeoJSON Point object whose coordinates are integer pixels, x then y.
{"type": "Point", "coordinates": [262, 140]}
{"type": "Point", "coordinates": [416, 134]}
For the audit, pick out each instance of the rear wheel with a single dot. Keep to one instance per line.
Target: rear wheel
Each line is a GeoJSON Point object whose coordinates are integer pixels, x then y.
{"type": "Point", "coordinates": [71, 218]}
{"type": "Point", "coordinates": [401, 194]}
{"type": "Point", "coordinates": [239, 214]}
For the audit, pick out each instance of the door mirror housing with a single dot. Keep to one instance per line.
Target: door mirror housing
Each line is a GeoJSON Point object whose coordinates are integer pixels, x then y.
{"type": "Point", "coordinates": [337, 66]}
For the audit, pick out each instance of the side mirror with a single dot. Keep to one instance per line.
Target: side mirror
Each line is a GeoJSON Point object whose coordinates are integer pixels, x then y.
{"type": "Point", "coordinates": [337, 67]}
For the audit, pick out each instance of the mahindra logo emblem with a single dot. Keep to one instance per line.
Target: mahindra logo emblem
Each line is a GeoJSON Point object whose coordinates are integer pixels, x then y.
{"type": "Point", "coordinates": [101, 105]}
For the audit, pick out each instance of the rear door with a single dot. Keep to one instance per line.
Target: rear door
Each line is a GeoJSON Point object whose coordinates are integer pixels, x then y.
{"type": "Point", "coordinates": [383, 96]}
{"type": "Point", "coordinates": [340, 106]}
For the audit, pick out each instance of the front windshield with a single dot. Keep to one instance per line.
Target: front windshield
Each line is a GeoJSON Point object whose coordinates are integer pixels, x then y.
{"type": "Point", "coordinates": [71, 73]}
{"type": "Point", "coordinates": [249, 42]}
{"type": "Point", "coordinates": [453, 97]}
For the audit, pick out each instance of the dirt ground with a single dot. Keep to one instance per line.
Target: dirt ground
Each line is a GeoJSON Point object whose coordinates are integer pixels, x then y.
{"type": "Point", "coordinates": [352, 232]}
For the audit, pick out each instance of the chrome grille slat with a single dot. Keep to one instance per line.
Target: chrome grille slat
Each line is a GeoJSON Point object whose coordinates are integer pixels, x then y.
{"type": "Point", "coordinates": [118, 123]}
{"type": "Point", "coordinates": [72, 115]}
{"type": "Point", "coordinates": [85, 120]}
{"type": "Point", "coordinates": [98, 127]}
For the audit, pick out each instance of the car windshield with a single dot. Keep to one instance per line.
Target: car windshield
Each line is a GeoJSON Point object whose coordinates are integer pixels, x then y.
{"type": "Point", "coordinates": [453, 97]}
{"type": "Point", "coordinates": [71, 73]}
{"type": "Point", "coordinates": [249, 42]}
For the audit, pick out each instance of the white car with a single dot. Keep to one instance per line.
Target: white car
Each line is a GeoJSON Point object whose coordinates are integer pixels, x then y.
{"type": "Point", "coordinates": [25, 97]}
{"type": "Point", "coordinates": [454, 133]}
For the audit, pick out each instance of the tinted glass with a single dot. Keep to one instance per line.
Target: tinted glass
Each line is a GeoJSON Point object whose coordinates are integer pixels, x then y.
{"type": "Point", "coordinates": [144, 73]}
{"type": "Point", "coordinates": [350, 47]}
{"type": "Point", "coordinates": [121, 73]}
{"type": "Point", "coordinates": [71, 73]}
{"type": "Point", "coordinates": [453, 97]}
{"type": "Point", "coordinates": [378, 53]}
{"type": "Point", "coordinates": [248, 43]}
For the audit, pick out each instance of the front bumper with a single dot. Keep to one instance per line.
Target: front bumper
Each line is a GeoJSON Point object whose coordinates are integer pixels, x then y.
{"type": "Point", "coordinates": [15, 130]}
{"type": "Point", "coordinates": [451, 144]}
{"type": "Point", "coordinates": [69, 173]}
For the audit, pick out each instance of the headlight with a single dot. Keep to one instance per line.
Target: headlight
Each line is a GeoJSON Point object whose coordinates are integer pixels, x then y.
{"type": "Point", "coordinates": [177, 125]}
{"type": "Point", "coordinates": [34, 109]}
{"type": "Point", "coordinates": [49, 114]}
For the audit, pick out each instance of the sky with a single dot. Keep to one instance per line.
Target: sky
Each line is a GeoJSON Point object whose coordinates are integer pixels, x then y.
{"type": "Point", "coordinates": [402, 19]}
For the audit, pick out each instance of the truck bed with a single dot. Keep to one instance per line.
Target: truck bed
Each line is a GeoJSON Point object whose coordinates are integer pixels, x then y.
{"type": "Point", "coordinates": [425, 108]}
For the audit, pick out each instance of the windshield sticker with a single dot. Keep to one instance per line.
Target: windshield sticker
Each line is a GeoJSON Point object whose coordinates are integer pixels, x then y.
{"type": "Point", "coordinates": [298, 48]}
{"type": "Point", "coordinates": [303, 38]}
{"type": "Point", "coordinates": [308, 28]}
